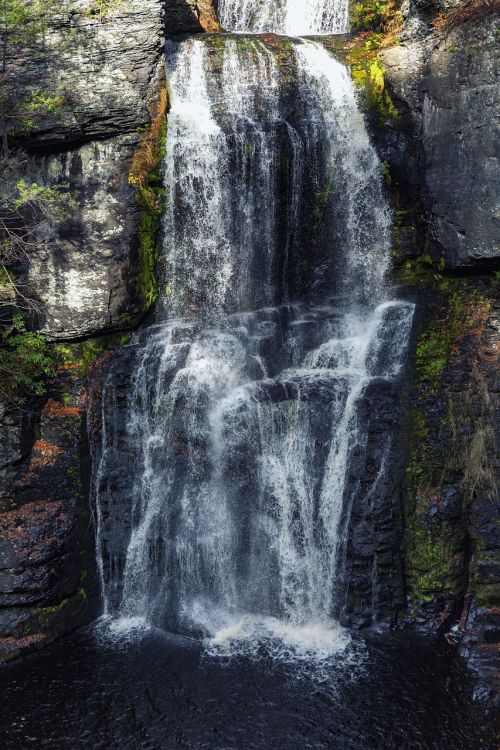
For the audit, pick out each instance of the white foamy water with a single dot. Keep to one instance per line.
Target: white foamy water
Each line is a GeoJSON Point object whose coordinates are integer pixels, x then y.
{"type": "Point", "coordinates": [293, 17]}
{"type": "Point", "coordinates": [229, 142]}
{"type": "Point", "coordinates": [227, 470]}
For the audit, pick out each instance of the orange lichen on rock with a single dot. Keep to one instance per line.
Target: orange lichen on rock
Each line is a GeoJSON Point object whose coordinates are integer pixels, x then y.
{"type": "Point", "coordinates": [10, 644]}
{"type": "Point", "coordinates": [208, 17]}
{"type": "Point", "coordinates": [145, 159]}
{"type": "Point", "coordinates": [16, 524]}
{"type": "Point", "coordinates": [56, 410]}
{"type": "Point", "coordinates": [44, 454]}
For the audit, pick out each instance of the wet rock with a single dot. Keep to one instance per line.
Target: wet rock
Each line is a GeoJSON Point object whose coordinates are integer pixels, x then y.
{"type": "Point", "coordinates": [190, 16]}
{"type": "Point", "coordinates": [373, 591]}
{"type": "Point", "coordinates": [47, 579]}
{"type": "Point", "coordinates": [452, 500]}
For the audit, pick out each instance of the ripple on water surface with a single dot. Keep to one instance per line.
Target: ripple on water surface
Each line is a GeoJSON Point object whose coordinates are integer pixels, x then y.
{"type": "Point", "coordinates": [151, 691]}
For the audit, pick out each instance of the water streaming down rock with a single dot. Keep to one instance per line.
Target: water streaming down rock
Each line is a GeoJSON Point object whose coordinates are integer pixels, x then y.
{"type": "Point", "coordinates": [274, 118]}
{"type": "Point", "coordinates": [294, 17]}
{"type": "Point", "coordinates": [236, 431]}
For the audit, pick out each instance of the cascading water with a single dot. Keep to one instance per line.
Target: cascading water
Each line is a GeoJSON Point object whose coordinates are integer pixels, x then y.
{"type": "Point", "coordinates": [225, 477]}
{"type": "Point", "coordinates": [293, 17]}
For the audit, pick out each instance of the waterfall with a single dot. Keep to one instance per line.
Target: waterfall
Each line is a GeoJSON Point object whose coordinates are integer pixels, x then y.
{"type": "Point", "coordinates": [293, 17]}
{"type": "Point", "coordinates": [233, 426]}
{"type": "Point", "coordinates": [244, 121]}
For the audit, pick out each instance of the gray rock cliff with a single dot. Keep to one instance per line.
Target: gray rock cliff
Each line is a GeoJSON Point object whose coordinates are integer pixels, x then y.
{"type": "Point", "coordinates": [449, 86]}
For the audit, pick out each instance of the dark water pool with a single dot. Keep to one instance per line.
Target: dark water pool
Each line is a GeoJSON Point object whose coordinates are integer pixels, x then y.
{"type": "Point", "coordinates": [163, 693]}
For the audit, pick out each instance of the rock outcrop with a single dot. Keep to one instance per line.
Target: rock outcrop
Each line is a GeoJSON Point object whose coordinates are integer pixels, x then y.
{"type": "Point", "coordinates": [442, 154]}
{"type": "Point", "coordinates": [452, 542]}
{"type": "Point", "coordinates": [106, 72]}
{"type": "Point", "coordinates": [105, 68]}
{"type": "Point", "coordinates": [87, 279]}
{"type": "Point", "coordinates": [47, 576]}
{"type": "Point", "coordinates": [447, 86]}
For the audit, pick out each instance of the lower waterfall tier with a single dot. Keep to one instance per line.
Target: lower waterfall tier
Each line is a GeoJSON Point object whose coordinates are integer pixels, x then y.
{"type": "Point", "coordinates": [232, 458]}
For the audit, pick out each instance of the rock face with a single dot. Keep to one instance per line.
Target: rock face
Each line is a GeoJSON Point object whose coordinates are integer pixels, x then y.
{"type": "Point", "coordinates": [87, 280]}
{"type": "Point", "coordinates": [102, 69]}
{"type": "Point", "coordinates": [190, 16]}
{"type": "Point", "coordinates": [47, 578]}
{"type": "Point", "coordinates": [373, 574]}
{"type": "Point", "coordinates": [452, 542]}
{"type": "Point", "coordinates": [447, 87]}
{"type": "Point", "coordinates": [107, 71]}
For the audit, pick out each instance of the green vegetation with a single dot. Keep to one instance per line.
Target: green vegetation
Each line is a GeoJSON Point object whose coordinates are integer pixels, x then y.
{"type": "Point", "coordinates": [437, 340]}
{"type": "Point", "coordinates": [102, 8]}
{"type": "Point", "coordinates": [451, 438]}
{"type": "Point", "coordinates": [52, 619]}
{"type": "Point", "coordinates": [434, 561]}
{"type": "Point", "coordinates": [146, 177]}
{"type": "Point", "coordinates": [22, 23]}
{"type": "Point", "coordinates": [378, 24]}
{"type": "Point", "coordinates": [81, 355]}
{"type": "Point", "coordinates": [27, 209]}
{"type": "Point", "coordinates": [373, 15]}
{"type": "Point", "coordinates": [368, 75]}
{"type": "Point", "coordinates": [26, 360]}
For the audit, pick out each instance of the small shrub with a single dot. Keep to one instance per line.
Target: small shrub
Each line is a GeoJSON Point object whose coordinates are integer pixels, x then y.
{"type": "Point", "coordinates": [26, 361]}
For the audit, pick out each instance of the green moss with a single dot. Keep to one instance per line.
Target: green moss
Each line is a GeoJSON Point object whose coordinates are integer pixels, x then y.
{"type": "Point", "coordinates": [79, 356]}
{"type": "Point", "coordinates": [378, 23]}
{"type": "Point", "coordinates": [488, 595]}
{"type": "Point", "coordinates": [149, 223]}
{"type": "Point", "coordinates": [418, 464]}
{"type": "Point", "coordinates": [368, 74]}
{"type": "Point", "coordinates": [146, 177]}
{"type": "Point", "coordinates": [375, 15]}
{"type": "Point", "coordinates": [53, 620]}
{"type": "Point", "coordinates": [438, 337]}
{"type": "Point", "coordinates": [102, 8]}
{"type": "Point", "coordinates": [443, 427]}
{"type": "Point", "coordinates": [433, 567]}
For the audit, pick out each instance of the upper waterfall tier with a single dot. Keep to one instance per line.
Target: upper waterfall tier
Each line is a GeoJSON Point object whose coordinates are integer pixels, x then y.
{"type": "Point", "coordinates": [274, 191]}
{"type": "Point", "coordinates": [294, 17]}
